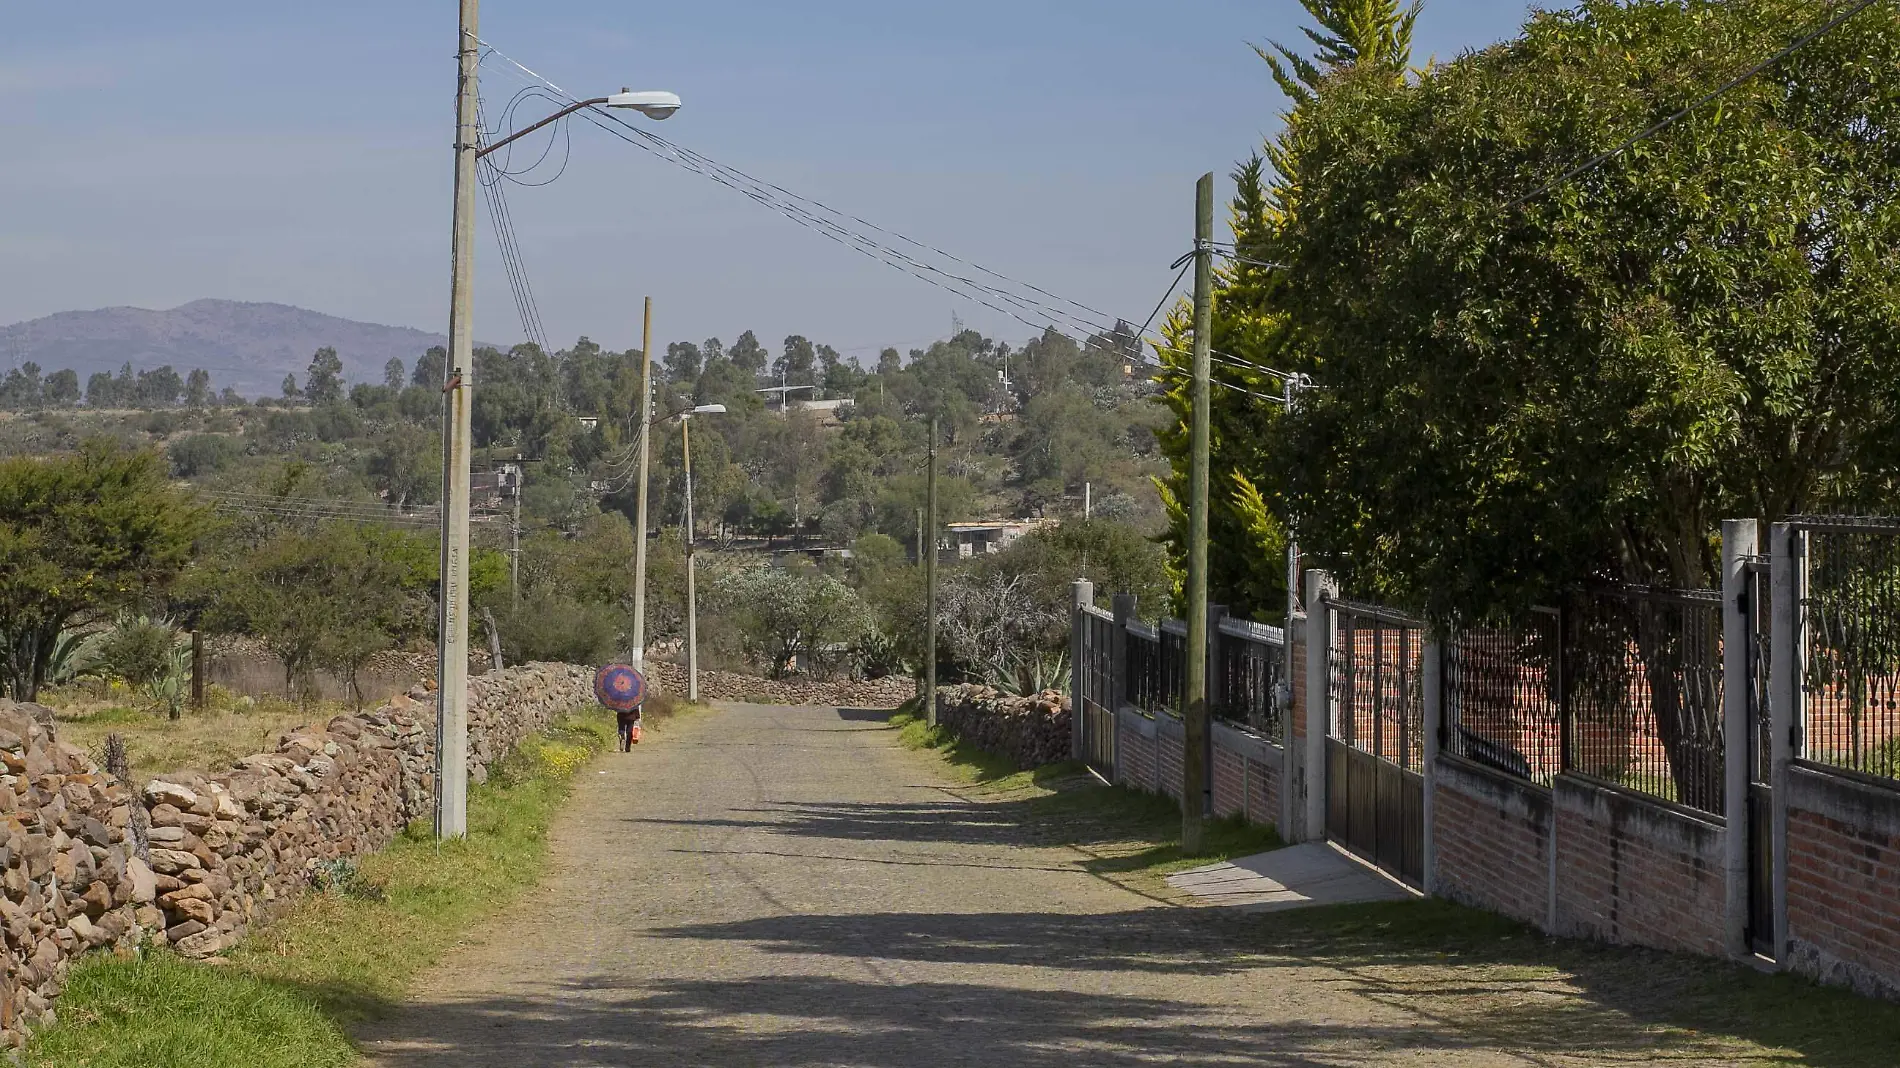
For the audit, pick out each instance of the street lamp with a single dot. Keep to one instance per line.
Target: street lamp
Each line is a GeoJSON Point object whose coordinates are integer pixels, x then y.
{"type": "Point", "coordinates": [451, 740]}
{"type": "Point", "coordinates": [692, 594]}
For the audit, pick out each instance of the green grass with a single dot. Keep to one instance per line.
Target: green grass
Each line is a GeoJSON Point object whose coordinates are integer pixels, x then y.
{"type": "Point", "coordinates": [1125, 832]}
{"type": "Point", "coordinates": [287, 996]}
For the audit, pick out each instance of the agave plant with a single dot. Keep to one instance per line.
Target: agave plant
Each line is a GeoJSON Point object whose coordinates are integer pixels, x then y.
{"type": "Point", "coordinates": [75, 653]}
{"type": "Point", "coordinates": [1030, 673]}
{"type": "Point", "coordinates": [173, 682]}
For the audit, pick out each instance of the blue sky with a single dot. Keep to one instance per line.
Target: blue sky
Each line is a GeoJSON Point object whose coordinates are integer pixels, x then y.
{"type": "Point", "coordinates": [157, 153]}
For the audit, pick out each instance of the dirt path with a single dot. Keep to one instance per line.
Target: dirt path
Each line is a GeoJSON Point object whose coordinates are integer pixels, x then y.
{"type": "Point", "coordinates": [785, 886]}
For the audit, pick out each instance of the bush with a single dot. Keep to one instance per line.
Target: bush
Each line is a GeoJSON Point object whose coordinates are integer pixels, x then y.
{"type": "Point", "coordinates": [139, 650]}
{"type": "Point", "coordinates": [203, 454]}
{"type": "Point", "coordinates": [555, 627]}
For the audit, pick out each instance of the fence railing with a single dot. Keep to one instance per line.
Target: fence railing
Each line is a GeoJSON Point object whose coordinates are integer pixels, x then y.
{"type": "Point", "coordinates": [1851, 645]}
{"type": "Point", "coordinates": [1249, 684]}
{"type": "Point", "coordinates": [1375, 674]}
{"type": "Point", "coordinates": [1643, 691]}
{"type": "Point", "coordinates": [1503, 696]}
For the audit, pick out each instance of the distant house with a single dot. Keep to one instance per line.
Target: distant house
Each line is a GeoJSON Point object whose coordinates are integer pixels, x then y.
{"type": "Point", "coordinates": [983, 536]}
{"type": "Point", "coordinates": [828, 411]}
{"type": "Point", "coordinates": [589, 422]}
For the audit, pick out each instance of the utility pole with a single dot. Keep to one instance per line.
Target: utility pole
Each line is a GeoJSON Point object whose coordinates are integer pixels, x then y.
{"type": "Point", "coordinates": [692, 594]}
{"type": "Point", "coordinates": [451, 725]}
{"type": "Point", "coordinates": [929, 543]}
{"type": "Point", "coordinates": [514, 543]}
{"type": "Point", "coordinates": [639, 655]}
{"type": "Point", "coordinates": [1194, 745]}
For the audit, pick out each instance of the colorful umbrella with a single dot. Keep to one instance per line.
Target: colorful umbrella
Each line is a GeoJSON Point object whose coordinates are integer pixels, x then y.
{"type": "Point", "coordinates": [620, 687]}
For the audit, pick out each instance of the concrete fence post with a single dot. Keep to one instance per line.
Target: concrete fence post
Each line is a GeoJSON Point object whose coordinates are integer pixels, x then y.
{"type": "Point", "coordinates": [1787, 561]}
{"type": "Point", "coordinates": [1082, 596]}
{"type": "Point", "coordinates": [1216, 694]}
{"type": "Point", "coordinates": [1123, 607]}
{"type": "Point", "coordinates": [1320, 630]}
{"type": "Point", "coordinates": [1432, 682]}
{"type": "Point", "coordinates": [1738, 544]}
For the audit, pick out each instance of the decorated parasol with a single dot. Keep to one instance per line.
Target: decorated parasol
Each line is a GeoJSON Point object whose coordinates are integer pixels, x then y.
{"type": "Point", "coordinates": [620, 687]}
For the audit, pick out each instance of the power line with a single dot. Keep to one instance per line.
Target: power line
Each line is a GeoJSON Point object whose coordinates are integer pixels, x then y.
{"type": "Point", "coordinates": [1726, 87]}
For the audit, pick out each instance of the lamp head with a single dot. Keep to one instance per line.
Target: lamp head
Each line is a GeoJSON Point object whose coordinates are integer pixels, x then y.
{"type": "Point", "coordinates": [655, 104]}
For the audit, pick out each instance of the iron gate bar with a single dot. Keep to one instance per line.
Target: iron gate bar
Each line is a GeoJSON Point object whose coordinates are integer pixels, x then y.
{"type": "Point", "coordinates": [1846, 524]}
{"type": "Point", "coordinates": [1374, 611]}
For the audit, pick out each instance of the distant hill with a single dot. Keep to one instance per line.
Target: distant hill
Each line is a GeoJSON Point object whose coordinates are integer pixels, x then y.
{"type": "Point", "coordinates": [247, 346]}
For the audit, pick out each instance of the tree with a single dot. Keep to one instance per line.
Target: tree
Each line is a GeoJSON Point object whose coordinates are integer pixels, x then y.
{"type": "Point", "coordinates": [198, 388]}
{"type": "Point", "coordinates": [683, 361]}
{"type": "Point", "coordinates": [1358, 35]}
{"type": "Point", "coordinates": [81, 536]}
{"type": "Point", "coordinates": [323, 381]}
{"type": "Point", "coordinates": [291, 392]}
{"type": "Point", "coordinates": [1518, 400]}
{"type": "Point", "coordinates": [394, 373]}
{"type": "Point", "coordinates": [22, 389]}
{"type": "Point", "coordinates": [747, 354]}
{"type": "Point", "coordinates": [786, 615]}
{"type": "Point", "coordinates": [62, 388]}
{"type": "Point", "coordinates": [794, 366]}
{"type": "Point", "coordinates": [159, 387]}
{"type": "Point", "coordinates": [431, 368]}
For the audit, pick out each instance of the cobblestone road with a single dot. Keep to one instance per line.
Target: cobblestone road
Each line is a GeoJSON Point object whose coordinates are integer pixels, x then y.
{"type": "Point", "coordinates": [787, 887]}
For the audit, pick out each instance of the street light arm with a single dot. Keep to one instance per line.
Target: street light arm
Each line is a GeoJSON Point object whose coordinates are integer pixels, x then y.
{"type": "Point", "coordinates": [526, 130]}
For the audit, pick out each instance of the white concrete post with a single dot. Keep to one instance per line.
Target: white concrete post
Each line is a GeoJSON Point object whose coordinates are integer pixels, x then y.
{"type": "Point", "coordinates": [1787, 560]}
{"type": "Point", "coordinates": [1432, 681]}
{"type": "Point", "coordinates": [1319, 697]}
{"type": "Point", "coordinates": [1083, 595]}
{"type": "Point", "coordinates": [1738, 543]}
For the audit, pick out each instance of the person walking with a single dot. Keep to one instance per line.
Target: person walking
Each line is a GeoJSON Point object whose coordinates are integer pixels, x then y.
{"type": "Point", "coordinates": [623, 689]}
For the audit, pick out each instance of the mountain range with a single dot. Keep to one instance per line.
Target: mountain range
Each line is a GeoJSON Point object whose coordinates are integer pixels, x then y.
{"type": "Point", "coordinates": [244, 345]}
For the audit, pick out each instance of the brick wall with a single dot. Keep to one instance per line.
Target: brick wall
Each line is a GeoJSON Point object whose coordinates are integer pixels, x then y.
{"type": "Point", "coordinates": [1135, 755]}
{"type": "Point", "coordinates": [1246, 775]}
{"type": "Point", "coordinates": [1491, 837]}
{"type": "Point", "coordinates": [1638, 872]}
{"type": "Point", "coordinates": [1844, 881]}
{"type": "Point", "coordinates": [1168, 769]}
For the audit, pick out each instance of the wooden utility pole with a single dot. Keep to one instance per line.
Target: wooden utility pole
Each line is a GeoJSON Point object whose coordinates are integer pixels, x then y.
{"type": "Point", "coordinates": [1194, 745]}
{"type": "Point", "coordinates": [639, 652]}
{"type": "Point", "coordinates": [929, 543]}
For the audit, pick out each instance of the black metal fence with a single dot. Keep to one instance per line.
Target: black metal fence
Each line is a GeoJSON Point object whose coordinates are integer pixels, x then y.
{"type": "Point", "coordinates": [1758, 606]}
{"type": "Point", "coordinates": [1249, 684]}
{"type": "Point", "coordinates": [1643, 690]}
{"type": "Point", "coordinates": [1503, 696]}
{"type": "Point", "coordinates": [1375, 676]}
{"type": "Point", "coordinates": [1851, 642]}
{"type": "Point", "coordinates": [1156, 667]}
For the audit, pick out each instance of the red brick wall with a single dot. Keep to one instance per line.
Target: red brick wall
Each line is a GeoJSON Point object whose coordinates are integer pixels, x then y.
{"type": "Point", "coordinates": [1230, 782]}
{"type": "Point", "coordinates": [1135, 765]}
{"type": "Point", "coordinates": [1637, 872]}
{"type": "Point", "coordinates": [1168, 771]}
{"type": "Point", "coordinates": [1490, 836]}
{"type": "Point", "coordinates": [1844, 881]}
{"type": "Point", "coordinates": [1297, 711]}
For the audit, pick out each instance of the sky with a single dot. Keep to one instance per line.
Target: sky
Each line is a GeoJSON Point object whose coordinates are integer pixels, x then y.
{"type": "Point", "coordinates": [301, 153]}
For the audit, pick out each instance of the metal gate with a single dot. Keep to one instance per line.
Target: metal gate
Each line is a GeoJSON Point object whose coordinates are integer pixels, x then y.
{"type": "Point", "coordinates": [1375, 745]}
{"type": "Point", "coordinates": [1095, 704]}
{"type": "Point", "coordinates": [1760, 809]}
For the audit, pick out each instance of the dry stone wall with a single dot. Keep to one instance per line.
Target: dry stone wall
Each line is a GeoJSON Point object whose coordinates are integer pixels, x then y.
{"type": "Point", "coordinates": [195, 859]}
{"type": "Point", "coordinates": [1028, 731]}
{"type": "Point", "coordinates": [887, 692]}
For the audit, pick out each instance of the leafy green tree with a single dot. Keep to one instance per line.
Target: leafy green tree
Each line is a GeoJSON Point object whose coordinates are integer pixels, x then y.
{"type": "Point", "coordinates": [748, 355]}
{"type": "Point", "coordinates": [198, 388]}
{"type": "Point", "coordinates": [62, 388]}
{"type": "Point", "coordinates": [22, 390]}
{"type": "Point", "coordinates": [81, 536]}
{"type": "Point", "coordinates": [786, 616]}
{"type": "Point", "coordinates": [1359, 35]}
{"type": "Point", "coordinates": [196, 455]}
{"type": "Point", "coordinates": [323, 380]}
{"type": "Point", "coordinates": [683, 361]}
{"type": "Point", "coordinates": [394, 373]}
{"type": "Point", "coordinates": [1517, 398]}
{"type": "Point", "coordinates": [159, 387]}
{"type": "Point", "coordinates": [431, 369]}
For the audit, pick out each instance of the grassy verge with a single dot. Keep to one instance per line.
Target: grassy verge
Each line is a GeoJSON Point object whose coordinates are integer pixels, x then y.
{"type": "Point", "coordinates": [286, 997]}
{"type": "Point", "coordinates": [229, 727]}
{"type": "Point", "coordinates": [1128, 835]}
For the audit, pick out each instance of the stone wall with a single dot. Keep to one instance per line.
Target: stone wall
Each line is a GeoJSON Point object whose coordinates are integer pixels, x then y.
{"type": "Point", "coordinates": [220, 851]}
{"type": "Point", "coordinates": [1027, 731]}
{"type": "Point", "coordinates": [888, 692]}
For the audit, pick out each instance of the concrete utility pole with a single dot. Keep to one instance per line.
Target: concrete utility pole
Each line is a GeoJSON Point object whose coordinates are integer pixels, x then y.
{"type": "Point", "coordinates": [639, 654]}
{"type": "Point", "coordinates": [451, 725]}
{"type": "Point", "coordinates": [692, 594]}
{"type": "Point", "coordinates": [514, 537]}
{"type": "Point", "coordinates": [1194, 745]}
{"type": "Point", "coordinates": [929, 544]}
